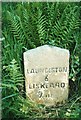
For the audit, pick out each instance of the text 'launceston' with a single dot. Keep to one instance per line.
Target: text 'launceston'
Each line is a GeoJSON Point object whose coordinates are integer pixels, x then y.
{"type": "Point", "coordinates": [47, 70]}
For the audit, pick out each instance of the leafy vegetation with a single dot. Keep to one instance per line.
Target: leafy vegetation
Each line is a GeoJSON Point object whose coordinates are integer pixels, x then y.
{"type": "Point", "coordinates": [29, 25]}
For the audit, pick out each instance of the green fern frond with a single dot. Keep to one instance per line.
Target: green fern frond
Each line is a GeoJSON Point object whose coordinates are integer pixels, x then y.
{"type": "Point", "coordinates": [15, 26]}
{"type": "Point", "coordinates": [17, 29]}
{"type": "Point", "coordinates": [41, 26]}
{"type": "Point", "coordinates": [28, 29]}
{"type": "Point", "coordinates": [13, 80]}
{"type": "Point", "coordinates": [65, 29]}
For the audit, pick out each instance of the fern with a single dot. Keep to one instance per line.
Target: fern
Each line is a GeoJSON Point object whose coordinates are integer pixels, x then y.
{"type": "Point", "coordinates": [28, 29]}
{"type": "Point", "coordinates": [17, 29]}
{"type": "Point", "coordinates": [48, 26]}
{"type": "Point", "coordinates": [41, 26]}
{"type": "Point", "coordinates": [13, 79]}
{"type": "Point", "coordinates": [64, 30]}
{"type": "Point", "coordinates": [15, 26]}
{"type": "Point", "coordinates": [13, 101]}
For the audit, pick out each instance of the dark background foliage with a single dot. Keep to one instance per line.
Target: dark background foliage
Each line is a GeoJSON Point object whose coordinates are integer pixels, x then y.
{"type": "Point", "coordinates": [26, 26]}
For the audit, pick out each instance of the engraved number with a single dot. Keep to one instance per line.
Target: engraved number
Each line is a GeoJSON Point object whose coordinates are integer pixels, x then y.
{"type": "Point", "coordinates": [40, 94]}
{"type": "Point", "coordinates": [46, 78]}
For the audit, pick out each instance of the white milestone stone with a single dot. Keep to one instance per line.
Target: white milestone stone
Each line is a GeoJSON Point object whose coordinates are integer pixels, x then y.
{"type": "Point", "coordinates": [46, 75]}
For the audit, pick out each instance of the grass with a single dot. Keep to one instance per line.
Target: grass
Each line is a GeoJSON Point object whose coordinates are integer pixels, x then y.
{"type": "Point", "coordinates": [18, 107]}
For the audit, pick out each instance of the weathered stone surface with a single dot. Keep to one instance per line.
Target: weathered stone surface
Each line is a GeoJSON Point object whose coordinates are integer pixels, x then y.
{"type": "Point", "coordinates": [46, 74]}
